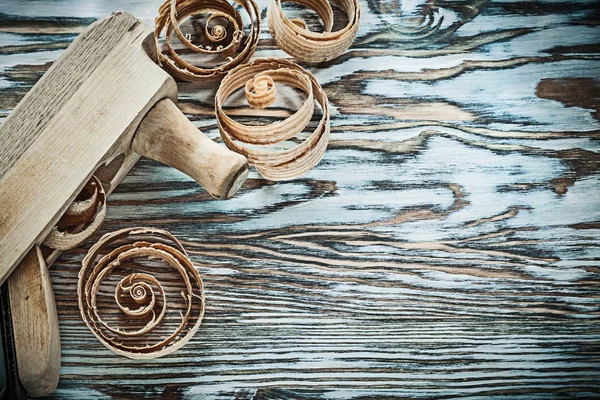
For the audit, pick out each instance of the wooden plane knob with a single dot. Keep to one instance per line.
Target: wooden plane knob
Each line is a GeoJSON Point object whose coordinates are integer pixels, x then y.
{"type": "Point", "coordinates": [167, 136]}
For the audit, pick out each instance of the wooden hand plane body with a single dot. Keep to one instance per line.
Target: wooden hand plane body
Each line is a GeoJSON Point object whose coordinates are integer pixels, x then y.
{"type": "Point", "coordinates": [100, 106]}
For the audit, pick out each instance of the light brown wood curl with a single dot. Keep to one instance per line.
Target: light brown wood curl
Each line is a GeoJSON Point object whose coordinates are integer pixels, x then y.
{"type": "Point", "coordinates": [142, 288]}
{"type": "Point", "coordinates": [253, 141]}
{"type": "Point", "coordinates": [294, 37]}
{"type": "Point", "coordinates": [67, 234]}
{"type": "Point", "coordinates": [235, 50]}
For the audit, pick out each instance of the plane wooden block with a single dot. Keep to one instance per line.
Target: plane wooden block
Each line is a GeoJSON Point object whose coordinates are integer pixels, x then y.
{"type": "Point", "coordinates": [101, 105]}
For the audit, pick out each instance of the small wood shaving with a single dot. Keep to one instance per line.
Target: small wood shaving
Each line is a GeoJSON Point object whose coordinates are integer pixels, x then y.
{"type": "Point", "coordinates": [293, 36]}
{"type": "Point", "coordinates": [144, 289]}
{"type": "Point", "coordinates": [274, 164]}
{"type": "Point", "coordinates": [67, 234]}
{"type": "Point", "coordinates": [235, 50]}
{"type": "Point", "coordinates": [261, 91]}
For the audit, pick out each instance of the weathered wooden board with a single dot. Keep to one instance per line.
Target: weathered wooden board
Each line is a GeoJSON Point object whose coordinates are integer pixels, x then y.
{"type": "Point", "coordinates": [446, 246]}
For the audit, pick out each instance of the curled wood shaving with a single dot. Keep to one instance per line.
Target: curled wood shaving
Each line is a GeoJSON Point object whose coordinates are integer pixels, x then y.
{"type": "Point", "coordinates": [234, 48]}
{"type": "Point", "coordinates": [91, 210]}
{"type": "Point", "coordinates": [261, 91]}
{"type": "Point", "coordinates": [259, 78]}
{"type": "Point", "coordinates": [143, 289]}
{"type": "Point", "coordinates": [293, 36]}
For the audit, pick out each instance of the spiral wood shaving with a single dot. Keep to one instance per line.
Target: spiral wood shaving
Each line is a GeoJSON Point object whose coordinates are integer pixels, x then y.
{"type": "Point", "coordinates": [144, 290]}
{"type": "Point", "coordinates": [67, 234]}
{"type": "Point", "coordinates": [261, 91]}
{"type": "Point", "coordinates": [294, 37]}
{"type": "Point", "coordinates": [235, 50]}
{"type": "Point", "coordinates": [258, 78]}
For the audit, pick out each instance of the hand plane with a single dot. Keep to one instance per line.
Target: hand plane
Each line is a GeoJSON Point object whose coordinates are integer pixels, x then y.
{"type": "Point", "coordinates": [104, 103]}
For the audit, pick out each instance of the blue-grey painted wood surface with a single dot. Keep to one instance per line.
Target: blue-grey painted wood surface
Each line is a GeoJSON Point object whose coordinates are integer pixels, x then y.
{"type": "Point", "coordinates": [446, 246]}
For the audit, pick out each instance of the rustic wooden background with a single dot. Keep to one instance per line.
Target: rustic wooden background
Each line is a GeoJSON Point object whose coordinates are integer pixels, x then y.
{"type": "Point", "coordinates": [446, 246]}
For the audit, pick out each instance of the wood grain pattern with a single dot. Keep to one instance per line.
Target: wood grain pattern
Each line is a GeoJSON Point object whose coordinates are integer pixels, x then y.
{"type": "Point", "coordinates": [445, 247]}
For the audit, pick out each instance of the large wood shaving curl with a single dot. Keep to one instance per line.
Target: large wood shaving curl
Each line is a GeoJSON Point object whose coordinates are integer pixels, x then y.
{"type": "Point", "coordinates": [144, 290]}
{"type": "Point", "coordinates": [259, 78]}
{"type": "Point", "coordinates": [293, 36]}
{"type": "Point", "coordinates": [67, 234]}
{"type": "Point", "coordinates": [235, 48]}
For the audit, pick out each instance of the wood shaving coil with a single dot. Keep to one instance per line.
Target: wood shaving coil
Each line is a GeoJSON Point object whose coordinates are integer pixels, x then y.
{"type": "Point", "coordinates": [261, 91]}
{"type": "Point", "coordinates": [91, 209]}
{"type": "Point", "coordinates": [252, 141]}
{"type": "Point", "coordinates": [144, 291]}
{"type": "Point", "coordinates": [293, 36]}
{"type": "Point", "coordinates": [235, 50]}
